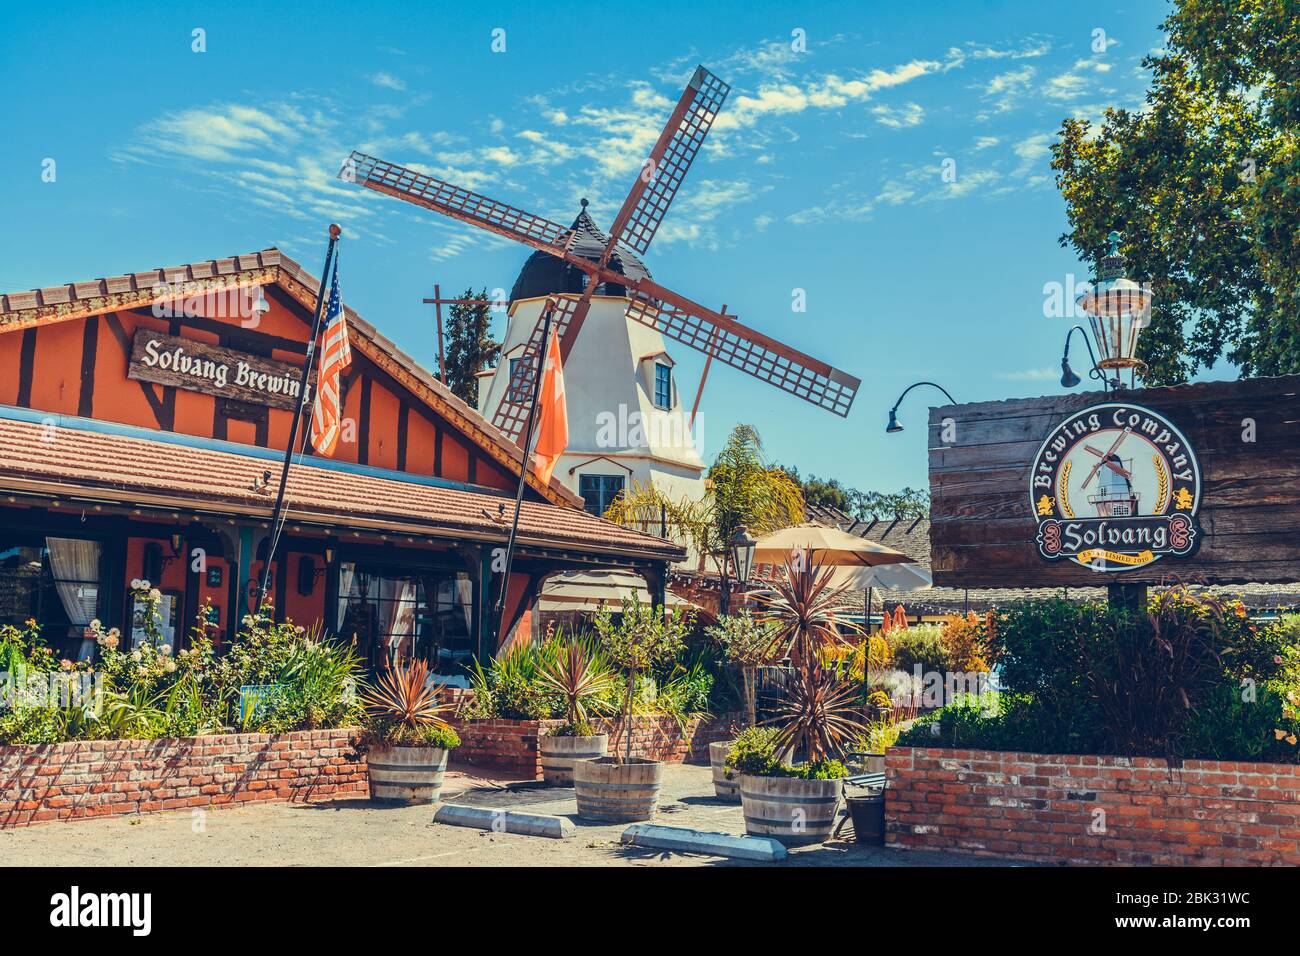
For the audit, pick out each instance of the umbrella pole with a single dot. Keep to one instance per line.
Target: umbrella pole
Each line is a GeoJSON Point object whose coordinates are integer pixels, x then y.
{"type": "Point", "coordinates": [867, 620]}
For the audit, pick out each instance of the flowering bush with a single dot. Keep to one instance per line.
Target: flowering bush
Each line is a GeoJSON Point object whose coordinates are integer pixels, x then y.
{"type": "Point", "coordinates": [152, 690]}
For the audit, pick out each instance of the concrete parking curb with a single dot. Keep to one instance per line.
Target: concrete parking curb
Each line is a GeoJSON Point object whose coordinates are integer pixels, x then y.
{"type": "Point", "coordinates": [756, 849]}
{"type": "Point", "coordinates": [505, 821]}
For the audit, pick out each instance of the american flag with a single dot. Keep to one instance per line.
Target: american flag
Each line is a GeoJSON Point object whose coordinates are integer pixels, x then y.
{"type": "Point", "coordinates": [335, 356]}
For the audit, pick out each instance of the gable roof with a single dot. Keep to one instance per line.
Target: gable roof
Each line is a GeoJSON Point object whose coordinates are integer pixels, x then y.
{"type": "Point", "coordinates": [75, 300]}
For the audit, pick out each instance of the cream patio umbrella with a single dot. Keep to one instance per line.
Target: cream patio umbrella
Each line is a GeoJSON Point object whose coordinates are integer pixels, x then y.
{"type": "Point", "coordinates": [829, 546]}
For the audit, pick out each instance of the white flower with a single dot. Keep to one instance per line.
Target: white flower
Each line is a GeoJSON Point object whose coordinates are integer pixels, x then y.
{"type": "Point", "coordinates": [95, 624]}
{"type": "Point", "coordinates": [165, 649]}
{"type": "Point", "coordinates": [135, 584]}
{"type": "Point", "coordinates": [135, 655]}
{"type": "Point", "coordinates": [155, 595]}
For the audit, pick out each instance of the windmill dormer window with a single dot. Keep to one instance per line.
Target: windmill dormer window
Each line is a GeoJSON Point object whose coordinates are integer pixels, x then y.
{"type": "Point", "coordinates": [599, 491]}
{"type": "Point", "coordinates": [663, 385]}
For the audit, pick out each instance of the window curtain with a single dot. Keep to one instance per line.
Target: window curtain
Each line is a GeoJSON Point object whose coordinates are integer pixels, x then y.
{"type": "Point", "coordinates": [398, 599]}
{"type": "Point", "coordinates": [75, 565]}
{"type": "Point", "coordinates": [347, 573]}
{"type": "Point", "coordinates": [465, 598]}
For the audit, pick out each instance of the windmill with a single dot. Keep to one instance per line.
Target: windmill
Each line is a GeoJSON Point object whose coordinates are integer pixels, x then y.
{"type": "Point", "coordinates": [716, 334]}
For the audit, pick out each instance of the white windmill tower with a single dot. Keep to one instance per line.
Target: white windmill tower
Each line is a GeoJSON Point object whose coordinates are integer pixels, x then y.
{"type": "Point", "coordinates": [627, 422]}
{"type": "Point", "coordinates": [610, 316]}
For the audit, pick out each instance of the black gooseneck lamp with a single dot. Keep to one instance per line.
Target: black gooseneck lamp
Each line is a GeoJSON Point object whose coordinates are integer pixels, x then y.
{"type": "Point", "coordinates": [894, 425]}
{"type": "Point", "coordinates": [1068, 377]}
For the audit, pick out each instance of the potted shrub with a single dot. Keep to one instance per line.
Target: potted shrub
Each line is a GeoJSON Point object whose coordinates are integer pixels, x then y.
{"type": "Point", "coordinates": [749, 644]}
{"type": "Point", "coordinates": [404, 737]}
{"type": "Point", "coordinates": [625, 789]}
{"type": "Point", "coordinates": [575, 672]}
{"type": "Point", "coordinates": [817, 716]}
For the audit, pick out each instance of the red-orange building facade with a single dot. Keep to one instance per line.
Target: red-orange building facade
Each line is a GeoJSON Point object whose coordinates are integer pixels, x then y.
{"type": "Point", "coordinates": [114, 470]}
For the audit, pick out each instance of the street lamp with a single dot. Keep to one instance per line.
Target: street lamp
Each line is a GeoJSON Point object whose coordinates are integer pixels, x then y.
{"type": "Point", "coordinates": [740, 549]}
{"type": "Point", "coordinates": [1068, 378]}
{"type": "Point", "coordinates": [1118, 309]}
{"type": "Point", "coordinates": [894, 425]}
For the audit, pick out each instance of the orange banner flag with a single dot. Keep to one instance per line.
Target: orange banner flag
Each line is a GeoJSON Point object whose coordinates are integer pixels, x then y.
{"type": "Point", "coordinates": [553, 430]}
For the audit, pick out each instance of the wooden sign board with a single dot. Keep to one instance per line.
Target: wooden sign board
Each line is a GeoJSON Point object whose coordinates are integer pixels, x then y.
{"type": "Point", "coordinates": [213, 370]}
{"type": "Point", "coordinates": [1242, 510]}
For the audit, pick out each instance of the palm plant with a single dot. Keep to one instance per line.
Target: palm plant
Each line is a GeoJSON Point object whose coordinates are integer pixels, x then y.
{"type": "Point", "coordinates": [575, 671]}
{"type": "Point", "coordinates": [403, 709]}
{"type": "Point", "coordinates": [818, 713]}
{"type": "Point", "coordinates": [800, 605]}
{"type": "Point", "coordinates": [818, 709]}
{"type": "Point", "coordinates": [742, 490]}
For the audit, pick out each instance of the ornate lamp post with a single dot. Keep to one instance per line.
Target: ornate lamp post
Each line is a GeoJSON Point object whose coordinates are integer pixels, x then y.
{"type": "Point", "coordinates": [740, 550]}
{"type": "Point", "coordinates": [1118, 309]}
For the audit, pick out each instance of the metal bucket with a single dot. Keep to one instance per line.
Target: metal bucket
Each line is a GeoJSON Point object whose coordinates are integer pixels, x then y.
{"type": "Point", "coordinates": [867, 810]}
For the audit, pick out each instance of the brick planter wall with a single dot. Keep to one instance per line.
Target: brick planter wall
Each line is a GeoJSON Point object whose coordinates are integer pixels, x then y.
{"type": "Point", "coordinates": [513, 746]}
{"type": "Point", "coordinates": [1093, 810]}
{"type": "Point", "coordinates": [107, 777]}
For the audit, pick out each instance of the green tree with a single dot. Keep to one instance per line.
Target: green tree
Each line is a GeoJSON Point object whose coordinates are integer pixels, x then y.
{"type": "Point", "coordinates": [1204, 182]}
{"type": "Point", "coordinates": [470, 347]}
{"type": "Point", "coordinates": [743, 490]}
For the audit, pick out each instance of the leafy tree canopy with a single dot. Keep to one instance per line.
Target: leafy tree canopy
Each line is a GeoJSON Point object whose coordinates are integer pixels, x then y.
{"type": "Point", "coordinates": [1204, 182]}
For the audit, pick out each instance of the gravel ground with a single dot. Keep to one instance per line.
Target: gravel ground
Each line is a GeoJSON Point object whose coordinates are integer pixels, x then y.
{"type": "Point", "coordinates": [359, 833]}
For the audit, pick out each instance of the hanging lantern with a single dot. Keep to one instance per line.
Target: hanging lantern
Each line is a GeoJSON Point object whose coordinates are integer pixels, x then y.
{"type": "Point", "coordinates": [1118, 309]}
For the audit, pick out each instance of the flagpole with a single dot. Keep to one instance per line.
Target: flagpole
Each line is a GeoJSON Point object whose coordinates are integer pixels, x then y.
{"type": "Point", "coordinates": [322, 296]}
{"type": "Point", "coordinates": [523, 471]}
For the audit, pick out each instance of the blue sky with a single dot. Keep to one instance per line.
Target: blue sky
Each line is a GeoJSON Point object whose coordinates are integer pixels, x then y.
{"type": "Point", "coordinates": [824, 172]}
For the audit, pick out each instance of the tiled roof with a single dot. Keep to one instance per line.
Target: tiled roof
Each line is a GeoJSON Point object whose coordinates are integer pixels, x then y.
{"type": "Point", "coordinates": [122, 468]}
{"type": "Point", "coordinates": [912, 537]}
{"type": "Point", "coordinates": [137, 289]}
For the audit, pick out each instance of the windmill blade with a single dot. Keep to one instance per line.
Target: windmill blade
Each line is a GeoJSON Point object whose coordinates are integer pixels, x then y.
{"type": "Point", "coordinates": [743, 348]}
{"type": "Point", "coordinates": [511, 415]}
{"type": "Point", "coordinates": [661, 177]}
{"type": "Point", "coordinates": [459, 204]}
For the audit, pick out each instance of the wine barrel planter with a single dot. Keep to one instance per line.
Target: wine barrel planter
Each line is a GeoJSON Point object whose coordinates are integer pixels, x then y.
{"type": "Point", "coordinates": [560, 753]}
{"type": "Point", "coordinates": [613, 792]}
{"type": "Point", "coordinates": [796, 812]}
{"type": "Point", "coordinates": [408, 775]}
{"type": "Point", "coordinates": [723, 788]}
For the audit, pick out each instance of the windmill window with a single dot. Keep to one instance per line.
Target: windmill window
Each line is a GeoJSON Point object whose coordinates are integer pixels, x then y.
{"type": "Point", "coordinates": [663, 385]}
{"type": "Point", "coordinates": [599, 491]}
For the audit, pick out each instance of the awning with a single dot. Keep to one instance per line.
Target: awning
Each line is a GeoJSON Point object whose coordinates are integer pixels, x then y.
{"type": "Point", "coordinates": [591, 590]}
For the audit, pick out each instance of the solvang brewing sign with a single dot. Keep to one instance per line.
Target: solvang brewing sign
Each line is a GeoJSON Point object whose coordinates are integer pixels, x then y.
{"type": "Point", "coordinates": [1114, 487]}
{"type": "Point", "coordinates": [213, 370]}
{"type": "Point", "coordinates": [1199, 483]}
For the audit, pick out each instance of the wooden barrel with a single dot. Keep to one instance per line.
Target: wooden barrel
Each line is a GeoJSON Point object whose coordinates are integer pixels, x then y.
{"type": "Point", "coordinates": [612, 792]}
{"type": "Point", "coordinates": [560, 753]}
{"type": "Point", "coordinates": [796, 812]}
{"type": "Point", "coordinates": [406, 774]}
{"type": "Point", "coordinates": [723, 788]}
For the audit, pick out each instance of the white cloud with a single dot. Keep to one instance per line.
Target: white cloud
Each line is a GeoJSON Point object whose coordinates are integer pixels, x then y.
{"type": "Point", "coordinates": [388, 81]}
{"type": "Point", "coordinates": [909, 114]}
{"type": "Point", "coordinates": [1044, 374]}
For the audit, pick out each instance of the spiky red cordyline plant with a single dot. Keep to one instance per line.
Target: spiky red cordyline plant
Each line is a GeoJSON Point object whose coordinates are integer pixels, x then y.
{"type": "Point", "coordinates": [577, 674]}
{"type": "Point", "coordinates": [800, 604]}
{"type": "Point", "coordinates": [818, 711]}
{"type": "Point", "coordinates": [403, 696]}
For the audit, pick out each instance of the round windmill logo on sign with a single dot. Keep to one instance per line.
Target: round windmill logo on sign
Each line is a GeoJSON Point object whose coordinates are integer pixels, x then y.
{"type": "Point", "coordinates": [1115, 487]}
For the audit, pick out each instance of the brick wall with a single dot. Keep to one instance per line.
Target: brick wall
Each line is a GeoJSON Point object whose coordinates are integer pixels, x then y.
{"type": "Point", "coordinates": [513, 745]}
{"type": "Point", "coordinates": [1093, 810]}
{"type": "Point", "coordinates": [107, 777]}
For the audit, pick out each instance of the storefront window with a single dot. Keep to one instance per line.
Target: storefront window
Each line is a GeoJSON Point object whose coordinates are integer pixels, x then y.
{"type": "Point", "coordinates": [56, 582]}
{"type": "Point", "coordinates": [396, 616]}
